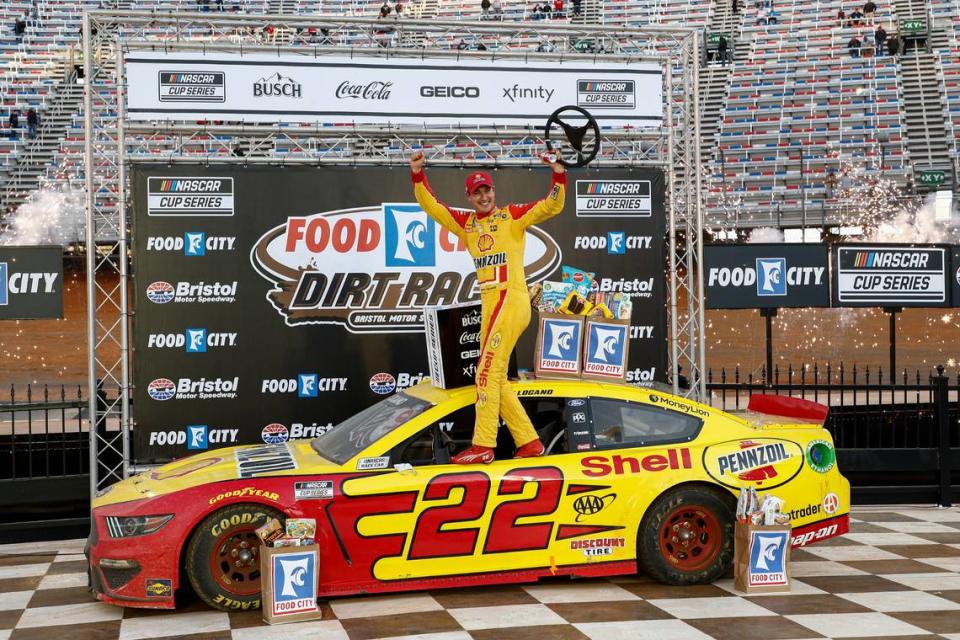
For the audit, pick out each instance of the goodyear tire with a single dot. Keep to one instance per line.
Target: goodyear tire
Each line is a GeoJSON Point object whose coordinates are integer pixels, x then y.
{"type": "Point", "coordinates": [223, 557]}
{"type": "Point", "coordinates": [686, 537]}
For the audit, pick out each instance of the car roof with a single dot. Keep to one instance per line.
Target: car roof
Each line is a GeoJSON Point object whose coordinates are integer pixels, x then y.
{"type": "Point", "coordinates": [435, 395]}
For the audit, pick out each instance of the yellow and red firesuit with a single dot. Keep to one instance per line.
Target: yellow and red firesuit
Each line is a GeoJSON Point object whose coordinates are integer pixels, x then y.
{"type": "Point", "coordinates": [496, 244]}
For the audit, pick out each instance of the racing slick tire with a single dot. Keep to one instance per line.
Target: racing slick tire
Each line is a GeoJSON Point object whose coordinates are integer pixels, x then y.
{"type": "Point", "coordinates": [686, 537]}
{"type": "Point", "coordinates": [223, 557]}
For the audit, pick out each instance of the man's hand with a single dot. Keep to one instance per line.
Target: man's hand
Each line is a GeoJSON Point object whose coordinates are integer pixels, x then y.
{"type": "Point", "coordinates": [551, 159]}
{"type": "Point", "coordinates": [417, 160]}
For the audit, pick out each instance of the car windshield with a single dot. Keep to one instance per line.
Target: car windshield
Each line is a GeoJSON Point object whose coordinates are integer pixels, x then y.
{"type": "Point", "coordinates": [363, 429]}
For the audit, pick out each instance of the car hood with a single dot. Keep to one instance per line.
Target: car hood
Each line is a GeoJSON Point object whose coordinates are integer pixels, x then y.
{"type": "Point", "coordinates": [232, 463]}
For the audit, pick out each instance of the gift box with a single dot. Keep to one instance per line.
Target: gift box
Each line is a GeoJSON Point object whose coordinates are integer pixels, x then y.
{"type": "Point", "coordinates": [606, 346]}
{"type": "Point", "coordinates": [558, 352]}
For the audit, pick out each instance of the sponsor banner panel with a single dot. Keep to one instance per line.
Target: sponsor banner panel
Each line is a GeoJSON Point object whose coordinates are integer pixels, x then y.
{"type": "Point", "coordinates": [292, 313]}
{"type": "Point", "coordinates": [955, 277]}
{"type": "Point", "coordinates": [757, 276]}
{"type": "Point", "coordinates": [31, 282]}
{"type": "Point", "coordinates": [437, 90]}
{"type": "Point", "coordinates": [867, 275]}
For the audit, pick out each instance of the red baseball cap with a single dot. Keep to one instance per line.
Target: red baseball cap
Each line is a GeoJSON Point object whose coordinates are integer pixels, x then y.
{"type": "Point", "coordinates": [477, 180]}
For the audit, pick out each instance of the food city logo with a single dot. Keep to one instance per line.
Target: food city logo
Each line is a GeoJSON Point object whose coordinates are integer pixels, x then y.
{"type": "Point", "coordinates": [376, 90]}
{"type": "Point", "coordinates": [767, 462]}
{"type": "Point", "coordinates": [197, 437]}
{"type": "Point", "coordinates": [561, 346]}
{"type": "Point", "coordinates": [192, 86]}
{"type": "Point", "coordinates": [277, 86]}
{"type": "Point", "coordinates": [294, 582]}
{"type": "Point", "coordinates": [770, 276]}
{"type": "Point", "coordinates": [305, 385]}
{"type": "Point", "coordinates": [192, 243]}
{"type": "Point", "coordinates": [163, 389]}
{"type": "Point", "coordinates": [615, 243]}
{"type": "Point", "coordinates": [162, 292]}
{"type": "Point", "coordinates": [614, 199]}
{"type": "Point", "coordinates": [373, 269]}
{"type": "Point", "coordinates": [188, 196]}
{"type": "Point", "coordinates": [383, 383]}
{"type": "Point", "coordinates": [24, 282]}
{"type": "Point", "coordinates": [606, 351]}
{"type": "Point", "coordinates": [891, 275]}
{"type": "Point", "coordinates": [768, 551]}
{"type": "Point", "coordinates": [607, 94]}
{"type": "Point", "coordinates": [192, 340]}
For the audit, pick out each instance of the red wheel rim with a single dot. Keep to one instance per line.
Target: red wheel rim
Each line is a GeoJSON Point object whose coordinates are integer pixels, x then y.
{"type": "Point", "coordinates": [235, 561]}
{"type": "Point", "coordinates": [690, 538]}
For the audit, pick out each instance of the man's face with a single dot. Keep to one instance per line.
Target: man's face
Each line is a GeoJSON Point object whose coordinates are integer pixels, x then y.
{"type": "Point", "coordinates": [482, 199]}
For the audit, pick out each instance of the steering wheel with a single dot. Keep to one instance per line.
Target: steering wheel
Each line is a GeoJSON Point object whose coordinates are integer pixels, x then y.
{"type": "Point", "coordinates": [580, 142]}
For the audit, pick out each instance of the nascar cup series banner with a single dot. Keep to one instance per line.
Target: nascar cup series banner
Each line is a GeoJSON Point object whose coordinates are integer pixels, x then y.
{"type": "Point", "coordinates": [298, 88]}
{"type": "Point", "coordinates": [891, 276]}
{"type": "Point", "coordinates": [272, 303]}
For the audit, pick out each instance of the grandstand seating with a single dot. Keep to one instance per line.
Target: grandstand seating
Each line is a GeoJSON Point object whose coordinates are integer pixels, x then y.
{"type": "Point", "coordinates": [796, 104]}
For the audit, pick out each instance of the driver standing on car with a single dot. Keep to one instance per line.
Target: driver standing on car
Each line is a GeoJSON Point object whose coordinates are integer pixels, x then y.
{"type": "Point", "coordinates": [495, 237]}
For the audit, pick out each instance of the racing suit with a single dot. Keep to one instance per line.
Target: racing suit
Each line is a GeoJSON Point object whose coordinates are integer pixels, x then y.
{"type": "Point", "coordinates": [496, 244]}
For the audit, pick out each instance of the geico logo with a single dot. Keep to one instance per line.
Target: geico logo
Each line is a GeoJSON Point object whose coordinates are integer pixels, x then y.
{"type": "Point", "coordinates": [214, 436]}
{"type": "Point", "coordinates": [24, 282]}
{"type": "Point", "coordinates": [747, 276]}
{"type": "Point", "coordinates": [290, 385]}
{"type": "Point", "coordinates": [449, 92]}
{"type": "Point", "coordinates": [299, 430]}
{"type": "Point", "coordinates": [170, 340]}
{"type": "Point", "coordinates": [185, 289]}
{"type": "Point", "coordinates": [638, 332]}
{"type": "Point", "coordinates": [641, 375]}
{"type": "Point", "coordinates": [347, 235]}
{"type": "Point", "coordinates": [218, 385]}
{"type": "Point", "coordinates": [810, 536]}
{"type": "Point", "coordinates": [235, 521]}
{"type": "Point", "coordinates": [177, 243]}
{"type": "Point", "coordinates": [600, 242]}
{"type": "Point", "coordinates": [626, 285]}
{"type": "Point", "coordinates": [597, 466]}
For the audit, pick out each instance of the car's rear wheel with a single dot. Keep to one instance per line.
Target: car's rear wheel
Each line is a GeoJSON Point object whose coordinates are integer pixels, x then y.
{"type": "Point", "coordinates": [223, 557]}
{"type": "Point", "coordinates": [686, 537]}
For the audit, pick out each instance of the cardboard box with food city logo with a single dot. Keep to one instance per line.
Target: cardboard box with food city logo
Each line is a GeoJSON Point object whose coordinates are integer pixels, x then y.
{"type": "Point", "coordinates": [606, 347]}
{"type": "Point", "coordinates": [761, 558]}
{"type": "Point", "coordinates": [289, 583]}
{"type": "Point", "coordinates": [453, 334]}
{"type": "Point", "coordinates": [558, 351]}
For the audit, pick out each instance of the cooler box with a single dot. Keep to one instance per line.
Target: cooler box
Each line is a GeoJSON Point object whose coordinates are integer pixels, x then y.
{"type": "Point", "coordinates": [453, 344]}
{"type": "Point", "coordinates": [606, 348]}
{"type": "Point", "coordinates": [559, 348]}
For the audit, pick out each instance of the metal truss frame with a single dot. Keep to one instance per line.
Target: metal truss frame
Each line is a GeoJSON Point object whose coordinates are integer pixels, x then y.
{"type": "Point", "coordinates": [112, 144]}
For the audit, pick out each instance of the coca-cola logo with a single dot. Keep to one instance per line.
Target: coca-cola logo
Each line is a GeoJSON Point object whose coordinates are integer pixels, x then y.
{"type": "Point", "coordinates": [375, 90]}
{"type": "Point", "coordinates": [467, 337]}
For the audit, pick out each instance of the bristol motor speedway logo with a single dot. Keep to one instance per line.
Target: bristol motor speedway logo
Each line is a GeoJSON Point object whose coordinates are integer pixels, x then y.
{"type": "Point", "coordinates": [192, 86]}
{"type": "Point", "coordinates": [201, 292]}
{"type": "Point", "coordinates": [163, 389]}
{"type": "Point", "coordinates": [606, 349]}
{"type": "Point", "coordinates": [383, 383]}
{"type": "Point", "coordinates": [373, 269]}
{"type": "Point", "coordinates": [614, 198]}
{"type": "Point", "coordinates": [189, 196]}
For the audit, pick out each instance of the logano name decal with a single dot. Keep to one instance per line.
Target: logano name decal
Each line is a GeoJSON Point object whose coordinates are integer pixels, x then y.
{"type": "Point", "coordinates": [373, 269]}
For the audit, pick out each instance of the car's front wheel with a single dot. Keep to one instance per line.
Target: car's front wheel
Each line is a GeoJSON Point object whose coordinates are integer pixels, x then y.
{"type": "Point", "coordinates": [686, 537]}
{"type": "Point", "coordinates": [223, 557]}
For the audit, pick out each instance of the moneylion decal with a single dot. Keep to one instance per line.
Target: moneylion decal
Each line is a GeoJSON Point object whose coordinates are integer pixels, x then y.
{"type": "Point", "coordinates": [766, 462]}
{"type": "Point", "coordinates": [373, 269]}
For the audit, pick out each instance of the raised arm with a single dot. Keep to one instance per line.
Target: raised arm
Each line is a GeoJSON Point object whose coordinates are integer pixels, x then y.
{"type": "Point", "coordinates": [536, 212]}
{"type": "Point", "coordinates": [452, 221]}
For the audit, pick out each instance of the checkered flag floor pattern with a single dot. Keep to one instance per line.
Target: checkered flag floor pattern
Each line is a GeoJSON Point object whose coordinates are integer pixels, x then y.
{"type": "Point", "coordinates": [897, 574]}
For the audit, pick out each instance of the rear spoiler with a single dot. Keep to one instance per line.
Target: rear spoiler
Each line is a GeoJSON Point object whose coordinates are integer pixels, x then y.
{"type": "Point", "coordinates": [788, 407]}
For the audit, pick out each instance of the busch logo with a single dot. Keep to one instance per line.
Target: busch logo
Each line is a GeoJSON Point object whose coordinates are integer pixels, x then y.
{"type": "Point", "coordinates": [277, 86]}
{"type": "Point", "coordinates": [772, 277]}
{"type": "Point", "coordinates": [409, 237]}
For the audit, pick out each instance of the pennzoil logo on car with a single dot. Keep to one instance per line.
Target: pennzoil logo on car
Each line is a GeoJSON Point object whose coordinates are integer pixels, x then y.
{"type": "Point", "coordinates": [159, 588]}
{"type": "Point", "coordinates": [768, 462]}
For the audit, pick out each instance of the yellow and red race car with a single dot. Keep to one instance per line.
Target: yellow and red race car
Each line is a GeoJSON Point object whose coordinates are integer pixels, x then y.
{"type": "Point", "coordinates": [632, 478]}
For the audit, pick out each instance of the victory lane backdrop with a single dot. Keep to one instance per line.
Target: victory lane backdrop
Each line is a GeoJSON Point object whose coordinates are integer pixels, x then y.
{"type": "Point", "coordinates": [272, 303]}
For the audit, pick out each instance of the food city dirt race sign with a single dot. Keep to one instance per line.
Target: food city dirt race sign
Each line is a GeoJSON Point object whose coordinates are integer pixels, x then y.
{"type": "Point", "coordinates": [272, 303]}
{"type": "Point", "coordinates": [437, 90]}
{"type": "Point", "coordinates": [31, 282]}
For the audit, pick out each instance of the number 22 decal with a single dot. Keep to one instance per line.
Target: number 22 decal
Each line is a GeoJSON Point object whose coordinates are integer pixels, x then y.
{"type": "Point", "coordinates": [433, 538]}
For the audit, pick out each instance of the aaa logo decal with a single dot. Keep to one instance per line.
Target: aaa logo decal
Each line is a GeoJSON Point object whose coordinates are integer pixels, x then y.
{"type": "Point", "coordinates": [766, 462]}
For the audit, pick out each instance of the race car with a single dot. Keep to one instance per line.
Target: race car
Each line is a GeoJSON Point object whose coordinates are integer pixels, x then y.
{"type": "Point", "coordinates": [632, 479]}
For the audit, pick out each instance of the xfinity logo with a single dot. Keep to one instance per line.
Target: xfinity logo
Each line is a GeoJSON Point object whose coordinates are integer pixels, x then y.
{"type": "Point", "coordinates": [409, 236]}
{"type": "Point", "coordinates": [277, 86]}
{"type": "Point", "coordinates": [376, 90]}
{"type": "Point", "coordinates": [305, 385]}
{"type": "Point", "coordinates": [516, 92]}
{"type": "Point", "coordinates": [192, 243]}
{"type": "Point", "coordinates": [191, 340]}
{"type": "Point", "coordinates": [771, 276]}
{"type": "Point", "coordinates": [449, 92]}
